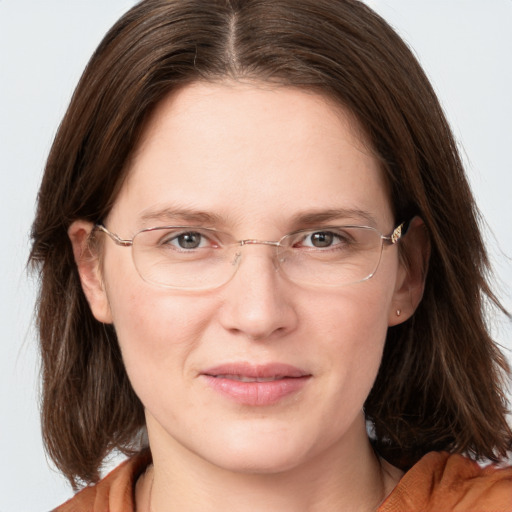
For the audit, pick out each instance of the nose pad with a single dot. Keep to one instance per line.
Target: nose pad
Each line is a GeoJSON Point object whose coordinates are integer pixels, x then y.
{"type": "Point", "coordinates": [236, 259]}
{"type": "Point", "coordinates": [280, 259]}
{"type": "Point", "coordinates": [276, 258]}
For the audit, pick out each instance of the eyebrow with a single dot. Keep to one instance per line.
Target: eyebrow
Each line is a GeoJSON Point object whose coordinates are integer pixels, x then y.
{"type": "Point", "coordinates": [182, 214]}
{"type": "Point", "coordinates": [300, 220]}
{"type": "Point", "coordinates": [313, 217]}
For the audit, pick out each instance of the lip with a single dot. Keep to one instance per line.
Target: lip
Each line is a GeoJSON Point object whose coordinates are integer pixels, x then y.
{"type": "Point", "coordinates": [256, 385]}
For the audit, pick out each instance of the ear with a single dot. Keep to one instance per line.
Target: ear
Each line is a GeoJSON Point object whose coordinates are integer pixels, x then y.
{"type": "Point", "coordinates": [415, 254]}
{"type": "Point", "coordinates": [88, 263]}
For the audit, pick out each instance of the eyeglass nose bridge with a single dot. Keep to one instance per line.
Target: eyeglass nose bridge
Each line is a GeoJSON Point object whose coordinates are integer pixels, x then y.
{"type": "Point", "coordinates": [252, 241]}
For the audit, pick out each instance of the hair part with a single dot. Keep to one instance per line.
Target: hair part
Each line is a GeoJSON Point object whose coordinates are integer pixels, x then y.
{"type": "Point", "coordinates": [428, 394]}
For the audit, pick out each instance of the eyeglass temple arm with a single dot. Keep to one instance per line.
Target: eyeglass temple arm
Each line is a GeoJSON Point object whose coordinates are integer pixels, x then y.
{"type": "Point", "coordinates": [398, 233]}
{"type": "Point", "coordinates": [116, 239]}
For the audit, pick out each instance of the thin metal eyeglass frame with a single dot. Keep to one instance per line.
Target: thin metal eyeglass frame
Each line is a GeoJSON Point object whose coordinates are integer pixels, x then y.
{"type": "Point", "coordinates": [392, 239]}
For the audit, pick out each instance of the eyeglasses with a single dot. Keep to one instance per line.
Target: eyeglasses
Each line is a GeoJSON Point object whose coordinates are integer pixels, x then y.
{"type": "Point", "coordinates": [196, 258]}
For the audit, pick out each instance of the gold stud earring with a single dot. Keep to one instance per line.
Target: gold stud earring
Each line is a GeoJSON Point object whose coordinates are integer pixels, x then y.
{"type": "Point", "coordinates": [398, 312]}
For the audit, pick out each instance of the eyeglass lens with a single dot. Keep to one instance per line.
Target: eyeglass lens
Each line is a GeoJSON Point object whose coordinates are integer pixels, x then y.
{"type": "Point", "coordinates": [196, 258]}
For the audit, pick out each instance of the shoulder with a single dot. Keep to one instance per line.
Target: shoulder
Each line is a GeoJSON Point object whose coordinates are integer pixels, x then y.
{"type": "Point", "coordinates": [451, 483]}
{"type": "Point", "coordinates": [115, 492]}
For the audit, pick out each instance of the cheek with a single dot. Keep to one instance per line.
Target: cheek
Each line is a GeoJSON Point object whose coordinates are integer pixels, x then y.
{"type": "Point", "coordinates": [350, 328]}
{"type": "Point", "coordinates": [357, 312]}
{"type": "Point", "coordinates": [156, 330]}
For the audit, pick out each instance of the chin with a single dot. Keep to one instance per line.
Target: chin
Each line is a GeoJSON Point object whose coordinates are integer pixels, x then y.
{"type": "Point", "coordinates": [261, 451]}
{"type": "Point", "coordinates": [259, 462]}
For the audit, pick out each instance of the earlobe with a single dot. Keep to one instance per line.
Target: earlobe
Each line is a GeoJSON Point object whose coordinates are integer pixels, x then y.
{"type": "Point", "coordinates": [415, 254]}
{"type": "Point", "coordinates": [88, 264]}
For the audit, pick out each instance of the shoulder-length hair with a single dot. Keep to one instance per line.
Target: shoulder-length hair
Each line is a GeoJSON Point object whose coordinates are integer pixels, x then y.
{"type": "Point", "coordinates": [440, 385]}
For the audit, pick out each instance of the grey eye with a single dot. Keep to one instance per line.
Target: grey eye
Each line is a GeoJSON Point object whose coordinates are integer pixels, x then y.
{"type": "Point", "coordinates": [322, 239]}
{"type": "Point", "coordinates": [191, 240]}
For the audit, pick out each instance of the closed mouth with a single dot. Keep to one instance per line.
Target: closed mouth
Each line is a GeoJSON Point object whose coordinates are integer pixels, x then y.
{"type": "Point", "coordinates": [245, 378]}
{"type": "Point", "coordinates": [247, 372]}
{"type": "Point", "coordinates": [256, 385]}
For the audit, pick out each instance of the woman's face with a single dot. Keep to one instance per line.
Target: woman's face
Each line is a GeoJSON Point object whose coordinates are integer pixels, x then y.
{"type": "Point", "coordinates": [257, 162]}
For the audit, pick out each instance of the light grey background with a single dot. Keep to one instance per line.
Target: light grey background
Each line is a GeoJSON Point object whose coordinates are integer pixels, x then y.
{"type": "Point", "coordinates": [464, 45]}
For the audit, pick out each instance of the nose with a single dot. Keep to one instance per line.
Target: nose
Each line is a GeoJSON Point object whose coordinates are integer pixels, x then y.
{"type": "Point", "coordinates": [258, 301]}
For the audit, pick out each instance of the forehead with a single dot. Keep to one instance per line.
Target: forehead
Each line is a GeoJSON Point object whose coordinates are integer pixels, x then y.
{"type": "Point", "coordinates": [251, 151]}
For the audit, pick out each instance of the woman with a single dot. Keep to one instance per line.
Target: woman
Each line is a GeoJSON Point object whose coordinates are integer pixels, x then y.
{"type": "Point", "coordinates": [257, 242]}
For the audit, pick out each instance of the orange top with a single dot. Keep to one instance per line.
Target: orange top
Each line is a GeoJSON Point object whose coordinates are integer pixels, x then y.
{"type": "Point", "coordinates": [439, 482]}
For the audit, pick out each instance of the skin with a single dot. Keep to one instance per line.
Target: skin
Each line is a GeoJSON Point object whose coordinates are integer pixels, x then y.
{"type": "Point", "coordinates": [256, 156]}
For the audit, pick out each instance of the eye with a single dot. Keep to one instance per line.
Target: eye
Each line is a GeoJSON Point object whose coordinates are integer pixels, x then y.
{"type": "Point", "coordinates": [186, 240]}
{"type": "Point", "coordinates": [189, 240]}
{"type": "Point", "coordinates": [322, 239]}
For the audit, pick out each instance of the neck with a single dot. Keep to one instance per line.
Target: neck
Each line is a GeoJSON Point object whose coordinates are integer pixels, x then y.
{"type": "Point", "coordinates": [348, 477]}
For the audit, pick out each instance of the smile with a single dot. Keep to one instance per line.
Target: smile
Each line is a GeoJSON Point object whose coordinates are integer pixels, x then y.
{"type": "Point", "coordinates": [256, 385]}
{"type": "Point", "coordinates": [244, 378]}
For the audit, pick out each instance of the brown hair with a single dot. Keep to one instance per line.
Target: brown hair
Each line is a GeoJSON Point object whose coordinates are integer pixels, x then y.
{"type": "Point", "coordinates": [440, 383]}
